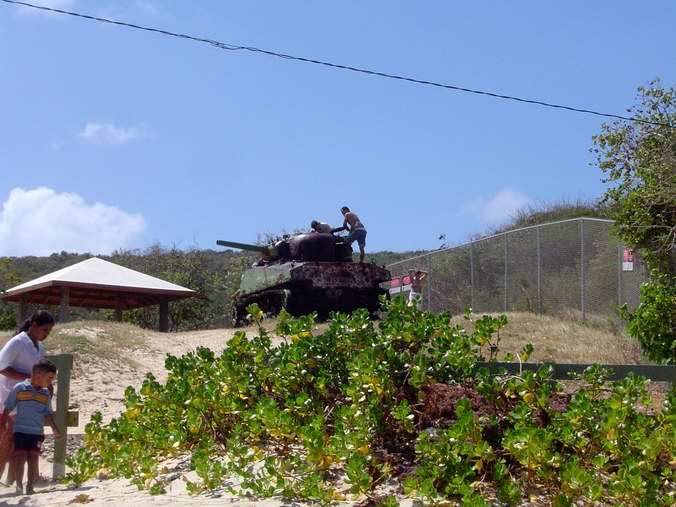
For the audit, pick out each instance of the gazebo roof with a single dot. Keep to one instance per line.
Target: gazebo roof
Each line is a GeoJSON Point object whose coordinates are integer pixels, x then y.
{"type": "Point", "coordinates": [97, 283]}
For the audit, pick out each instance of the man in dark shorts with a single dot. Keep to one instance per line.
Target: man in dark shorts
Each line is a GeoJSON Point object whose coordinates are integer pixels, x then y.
{"type": "Point", "coordinates": [356, 229]}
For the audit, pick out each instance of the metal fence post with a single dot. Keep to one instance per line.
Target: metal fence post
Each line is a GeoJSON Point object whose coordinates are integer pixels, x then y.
{"type": "Point", "coordinates": [539, 268]}
{"type": "Point", "coordinates": [619, 274]}
{"type": "Point", "coordinates": [471, 275]}
{"type": "Point", "coordinates": [582, 312]}
{"type": "Point", "coordinates": [429, 283]}
{"type": "Point", "coordinates": [506, 273]}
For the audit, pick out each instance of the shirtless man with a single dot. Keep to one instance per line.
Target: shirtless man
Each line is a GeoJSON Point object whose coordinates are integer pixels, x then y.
{"type": "Point", "coordinates": [356, 229]}
{"type": "Point", "coordinates": [415, 296]}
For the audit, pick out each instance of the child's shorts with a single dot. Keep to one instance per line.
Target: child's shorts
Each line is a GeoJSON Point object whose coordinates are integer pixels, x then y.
{"type": "Point", "coordinates": [27, 442]}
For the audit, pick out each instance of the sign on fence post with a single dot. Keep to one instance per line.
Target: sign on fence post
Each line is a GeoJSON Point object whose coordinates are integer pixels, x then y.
{"type": "Point", "coordinates": [400, 284]}
{"type": "Point", "coordinates": [627, 259]}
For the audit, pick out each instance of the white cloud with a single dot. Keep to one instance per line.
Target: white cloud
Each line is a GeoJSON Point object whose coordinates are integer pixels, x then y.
{"type": "Point", "coordinates": [64, 5]}
{"type": "Point", "coordinates": [499, 208]}
{"type": "Point", "coordinates": [106, 133]}
{"type": "Point", "coordinates": [41, 222]}
{"type": "Point", "coordinates": [147, 7]}
{"type": "Point", "coordinates": [126, 10]}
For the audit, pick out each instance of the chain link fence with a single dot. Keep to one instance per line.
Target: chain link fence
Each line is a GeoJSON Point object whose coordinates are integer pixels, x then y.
{"type": "Point", "coordinates": [556, 268]}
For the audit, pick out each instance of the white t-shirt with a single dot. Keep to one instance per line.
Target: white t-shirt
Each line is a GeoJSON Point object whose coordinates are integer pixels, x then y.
{"type": "Point", "coordinates": [18, 353]}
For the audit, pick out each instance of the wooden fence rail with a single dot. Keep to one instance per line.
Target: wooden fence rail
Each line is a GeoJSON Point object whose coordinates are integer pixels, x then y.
{"type": "Point", "coordinates": [661, 373]}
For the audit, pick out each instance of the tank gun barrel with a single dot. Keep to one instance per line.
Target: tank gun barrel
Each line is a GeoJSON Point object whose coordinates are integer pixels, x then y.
{"type": "Point", "coordinates": [242, 246]}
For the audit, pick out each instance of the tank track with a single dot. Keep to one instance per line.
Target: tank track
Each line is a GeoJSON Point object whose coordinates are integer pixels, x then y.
{"type": "Point", "coordinates": [301, 302]}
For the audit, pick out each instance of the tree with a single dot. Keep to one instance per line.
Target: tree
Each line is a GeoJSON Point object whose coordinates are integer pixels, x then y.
{"type": "Point", "coordinates": [653, 323]}
{"type": "Point", "coordinates": [639, 158]}
{"type": "Point", "coordinates": [8, 279]}
{"type": "Point", "coordinates": [185, 268]}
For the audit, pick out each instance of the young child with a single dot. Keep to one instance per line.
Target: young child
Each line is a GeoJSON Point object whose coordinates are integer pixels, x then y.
{"type": "Point", "coordinates": [33, 405]}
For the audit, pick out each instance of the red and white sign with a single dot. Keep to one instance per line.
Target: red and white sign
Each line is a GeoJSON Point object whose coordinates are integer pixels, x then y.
{"type": "Point", "coordinates": [627, 259]}
{"type": "Point", "coordinates": [401, 284]}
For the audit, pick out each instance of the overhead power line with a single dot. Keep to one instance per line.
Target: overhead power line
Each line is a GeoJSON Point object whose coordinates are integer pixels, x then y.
{"type": "Point", "coordinates": [233, 47]}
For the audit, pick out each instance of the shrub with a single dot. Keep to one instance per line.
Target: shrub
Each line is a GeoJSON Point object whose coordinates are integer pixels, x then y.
{"type": "Point", "coordinates": [653, 323]}
{"type": "Point", "coordinates": [321, 417]}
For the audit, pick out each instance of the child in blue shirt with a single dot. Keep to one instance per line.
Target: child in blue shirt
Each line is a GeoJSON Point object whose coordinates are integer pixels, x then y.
{"type": "Point", "coordinates": [33, 405]}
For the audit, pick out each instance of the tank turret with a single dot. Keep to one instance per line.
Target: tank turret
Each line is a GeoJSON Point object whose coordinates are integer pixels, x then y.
{"type": "Point", "coordinates": [308, 272]}
{"type": "Point", "coordinates": [312, 246]}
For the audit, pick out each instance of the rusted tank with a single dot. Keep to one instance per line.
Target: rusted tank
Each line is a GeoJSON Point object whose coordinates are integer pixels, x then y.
{"type": "Point", "coordinates": [306, 273]}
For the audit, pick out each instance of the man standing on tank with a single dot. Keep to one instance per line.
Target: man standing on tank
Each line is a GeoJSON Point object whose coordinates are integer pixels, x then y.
{"type": "Point", "coordinates": [356, 229]}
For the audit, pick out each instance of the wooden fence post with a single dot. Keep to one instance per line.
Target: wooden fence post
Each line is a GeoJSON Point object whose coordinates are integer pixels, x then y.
{"type": "Point", "coordinates": [64, 366]}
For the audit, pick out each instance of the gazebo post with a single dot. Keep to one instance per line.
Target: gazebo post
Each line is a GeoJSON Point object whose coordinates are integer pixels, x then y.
{"type": "Point", "coordinates": [118, 308]}
{"type": "Point", "coordinates": [164, 314]}
{"type": "Point", "coordinates": [23, 309]}
{"type": "Point", "coordinates": [65, 301]}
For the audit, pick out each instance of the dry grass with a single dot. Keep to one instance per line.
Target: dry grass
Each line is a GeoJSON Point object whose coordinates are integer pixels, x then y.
{"type": "Point", "coordinates": [108, 341]}
{"type": "Point", "coordinates": [560, 340]}
{"type": "Point", "coordinates": [567, 340]}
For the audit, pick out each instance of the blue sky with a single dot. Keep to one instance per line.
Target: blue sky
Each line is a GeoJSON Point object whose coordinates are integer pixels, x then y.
{"type": "Point", "coordinates": [115, 138]}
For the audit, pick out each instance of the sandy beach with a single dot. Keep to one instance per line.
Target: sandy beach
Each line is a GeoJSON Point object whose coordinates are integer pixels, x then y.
{"type": "Point", "coordinates": [98, 384]}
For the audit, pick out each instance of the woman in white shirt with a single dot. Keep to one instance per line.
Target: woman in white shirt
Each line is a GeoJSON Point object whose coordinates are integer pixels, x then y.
{"type": "Point", "coordinates": [17, 358]}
